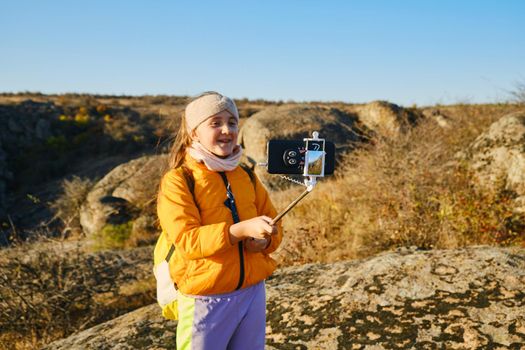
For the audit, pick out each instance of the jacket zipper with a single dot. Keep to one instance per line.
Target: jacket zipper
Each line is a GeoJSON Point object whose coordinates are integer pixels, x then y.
{"type": "Point", "coordinates": [241, 257]}
{"type": "Point", "coordinates": [230, 203]}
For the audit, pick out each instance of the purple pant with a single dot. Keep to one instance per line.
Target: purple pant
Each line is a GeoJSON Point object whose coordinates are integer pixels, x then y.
{"type": "Point", "coordinates": [234, 320]}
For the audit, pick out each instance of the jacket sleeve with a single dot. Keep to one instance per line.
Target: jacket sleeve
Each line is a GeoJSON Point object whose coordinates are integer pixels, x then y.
{"type": "Point", "coordinates": [265, 207]}
{"type": "Point", "coordinates": [180, 218]}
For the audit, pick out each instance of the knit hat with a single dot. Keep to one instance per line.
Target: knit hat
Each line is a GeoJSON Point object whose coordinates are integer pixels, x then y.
{"type": "Point", "coordinates": [206, 106]}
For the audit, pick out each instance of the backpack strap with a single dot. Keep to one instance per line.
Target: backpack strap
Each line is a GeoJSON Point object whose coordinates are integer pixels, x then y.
{"type": "Point", "coordinates": [170, 253]}
{"type": "Point", "coordinates": [250, 172]}
{"type": "Point", "coordinates": [188, 176]}
{"type": "Point", "coordinates": [190, 181]}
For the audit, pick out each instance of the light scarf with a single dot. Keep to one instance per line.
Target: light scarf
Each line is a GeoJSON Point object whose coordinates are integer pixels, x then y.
{"type": "Point", "coordinates": [212, 162]}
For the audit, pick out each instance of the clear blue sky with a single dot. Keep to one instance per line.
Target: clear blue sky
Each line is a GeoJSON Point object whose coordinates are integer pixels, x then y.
{"type": "Point", "coordinates": [406, 52]}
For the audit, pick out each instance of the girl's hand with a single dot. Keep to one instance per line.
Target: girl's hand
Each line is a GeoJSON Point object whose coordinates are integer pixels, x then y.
{"type": "Point", "coordinates": [253, 245]}
{"type": "Point", "coordinates": [259, 227]}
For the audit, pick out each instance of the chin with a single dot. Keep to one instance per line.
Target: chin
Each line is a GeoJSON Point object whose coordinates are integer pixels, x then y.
{"type": "Point", "coordinates": [222, 154]}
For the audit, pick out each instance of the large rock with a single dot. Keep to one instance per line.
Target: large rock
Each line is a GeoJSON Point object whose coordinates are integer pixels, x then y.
{"type": "Point", "coordinates": [22, 126]}
{"type": "Point", "coordinates": [116, 198]}
{"type": "Point", "coordinates": [144, 328]}
{"type": "Point", "coordinates": [498, 156]}
{"type": "Point", "coordinates": [295, 122]}
{"type": "Point", "coordinates": [445, 299]}
{"type": "Point", "coordinates": [5, 177]}
{"type": "Point", "coordinates": [385, 118]}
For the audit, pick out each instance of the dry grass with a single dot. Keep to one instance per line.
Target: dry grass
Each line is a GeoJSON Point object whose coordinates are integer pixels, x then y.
{"type": "Point", "coordinates": [50, 290]}
{"type": "Point", "coordinates": [408, 190]}
{"type": "Point", "coordinates": [43, 298]}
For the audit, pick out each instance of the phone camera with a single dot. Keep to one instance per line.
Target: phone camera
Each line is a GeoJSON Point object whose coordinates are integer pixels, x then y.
{"type": "Point", "coordinates": [290, 157]}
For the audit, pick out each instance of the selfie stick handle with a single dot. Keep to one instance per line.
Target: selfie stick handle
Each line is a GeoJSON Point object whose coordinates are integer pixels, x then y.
{"type": "Point", "coordinates": [309, 188]}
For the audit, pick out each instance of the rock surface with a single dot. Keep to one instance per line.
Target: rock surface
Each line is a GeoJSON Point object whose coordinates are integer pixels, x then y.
{"type": "Point", "coordinates": [124, 189]}
{"type": "Point", "coordinates": [21, 127]}
{"type": "Point", "coordinates": [385, 118]}
{"type": "Point", "coordinates": [498, 156]}
{"type": "Point", "coordinates": [450, 299]}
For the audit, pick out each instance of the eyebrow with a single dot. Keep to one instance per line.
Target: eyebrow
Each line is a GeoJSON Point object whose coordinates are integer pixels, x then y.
{"type": "Point", "coordinates": [220, 118]}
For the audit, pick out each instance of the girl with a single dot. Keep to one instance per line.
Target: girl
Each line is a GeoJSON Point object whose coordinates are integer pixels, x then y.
{"type": "Point", "coordinates": [222, 230]}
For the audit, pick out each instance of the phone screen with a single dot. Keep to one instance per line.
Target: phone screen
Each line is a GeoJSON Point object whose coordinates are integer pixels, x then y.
{"type": "Point", "coordinates": [314, 159]}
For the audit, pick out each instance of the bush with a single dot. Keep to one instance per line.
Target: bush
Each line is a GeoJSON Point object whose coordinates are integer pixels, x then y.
{"type": "Point", "coordinates": [67, 205]}
{"type": "Point", "coordinates": [57, 143]}
{"type": "Point", "coordinates": [404, 191]}
{"type": "Point", "coordinates": [114, 236]}
{"type": "Point", "coordinates": [518, 94]}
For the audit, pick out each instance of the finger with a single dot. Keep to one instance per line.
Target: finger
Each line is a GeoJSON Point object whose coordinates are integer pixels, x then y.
{"type": "Point", "coordinates": [260, 235]}
{"type": "Point", "coordinates": [269, 228]}
{"type": "Point", "coordinates": [266, 218]}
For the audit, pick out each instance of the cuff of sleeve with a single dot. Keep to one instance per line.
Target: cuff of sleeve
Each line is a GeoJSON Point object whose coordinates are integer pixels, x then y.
{"type": "Point", "coordinates": [227, 235]}
{"type": "Point", "coordinates": [268, 248]}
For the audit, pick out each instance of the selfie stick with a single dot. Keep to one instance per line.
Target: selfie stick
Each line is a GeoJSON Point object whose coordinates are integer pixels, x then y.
{"type": "Point", "coordinates": [310, 184]}
{"type": "Point", "coordinates": [309, 189]}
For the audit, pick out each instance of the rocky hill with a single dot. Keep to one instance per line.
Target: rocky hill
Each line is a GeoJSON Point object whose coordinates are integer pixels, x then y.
{"type": "Point", "coordinates": [455, 299]}
{"type": "Point", "coordinates": [436, 177]}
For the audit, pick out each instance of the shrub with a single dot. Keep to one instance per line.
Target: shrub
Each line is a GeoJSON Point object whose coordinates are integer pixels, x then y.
{"type": "Point", "coordinates": [67, 205]}
{"type": "Point", "coordinates": [145, 230]}
{"type": "Point", "coordinates": [518, 94]}
{"type": "Point", "coordinates": [404, 191]}
{"type": "Point", "coordinates": [101, 109]}
{"type": "Point", "coordinates": [82, 119]}
{"type": "Point", "coordinates": [57, 143]}
{"type": "Point", "coordinates": [113, 236]}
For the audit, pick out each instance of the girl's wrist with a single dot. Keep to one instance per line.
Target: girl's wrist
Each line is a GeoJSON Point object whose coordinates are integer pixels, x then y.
{"type": "Point", "coordinates": [234, 234]}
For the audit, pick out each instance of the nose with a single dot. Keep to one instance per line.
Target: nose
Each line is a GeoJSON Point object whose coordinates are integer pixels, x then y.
{"type": "Point", "coordinates": [227, 129]}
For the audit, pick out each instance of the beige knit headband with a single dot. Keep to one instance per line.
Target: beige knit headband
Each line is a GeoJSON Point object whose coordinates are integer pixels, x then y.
{"type": "Point", "coordinates": [206, 106]}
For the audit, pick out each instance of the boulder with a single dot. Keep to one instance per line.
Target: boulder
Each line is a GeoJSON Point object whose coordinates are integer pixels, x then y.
{"type": "Point", "coordinates": [117, 197]}
{"type": "Point", "coordinates": [19, 131]}
{"type": "Point", "coordinates": [144, 328]}
{"type": "Point", "coordinates": [443, 299]}
{"type": "Point", "coordinates": [5, 177]}
{"type": "Point", "coordinates": [295, 122]}
{"type": "Point", "coordinates": [498, 156]}
{"type": "Point", "coordinates": [385, 118]}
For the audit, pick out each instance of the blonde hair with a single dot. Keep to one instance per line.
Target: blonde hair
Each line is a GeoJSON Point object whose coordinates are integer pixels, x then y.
{"type": "Point", "coordinates": [180, 144]}
{"type": "Point", "coordinates": [183, 138]}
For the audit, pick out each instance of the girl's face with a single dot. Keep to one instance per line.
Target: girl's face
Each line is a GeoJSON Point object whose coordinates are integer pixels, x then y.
{"type": "Point", "coordinates": [218, 134]}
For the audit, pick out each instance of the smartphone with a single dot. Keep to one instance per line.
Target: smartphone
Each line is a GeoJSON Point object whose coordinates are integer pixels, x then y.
{"type": "Point", "coordinates": [289, 157]}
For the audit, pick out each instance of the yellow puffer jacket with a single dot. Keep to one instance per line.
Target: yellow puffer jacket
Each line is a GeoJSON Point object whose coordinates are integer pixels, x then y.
{"type": "Point", "coordinates": [205, 262]}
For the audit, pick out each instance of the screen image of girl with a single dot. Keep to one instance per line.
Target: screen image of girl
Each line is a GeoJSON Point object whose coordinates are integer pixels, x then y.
{"type": "Point", "coordinates": [222, 230]}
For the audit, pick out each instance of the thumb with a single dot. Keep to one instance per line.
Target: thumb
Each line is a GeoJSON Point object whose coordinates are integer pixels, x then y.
{"type": "Point", "coordinates": [267, 219]}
